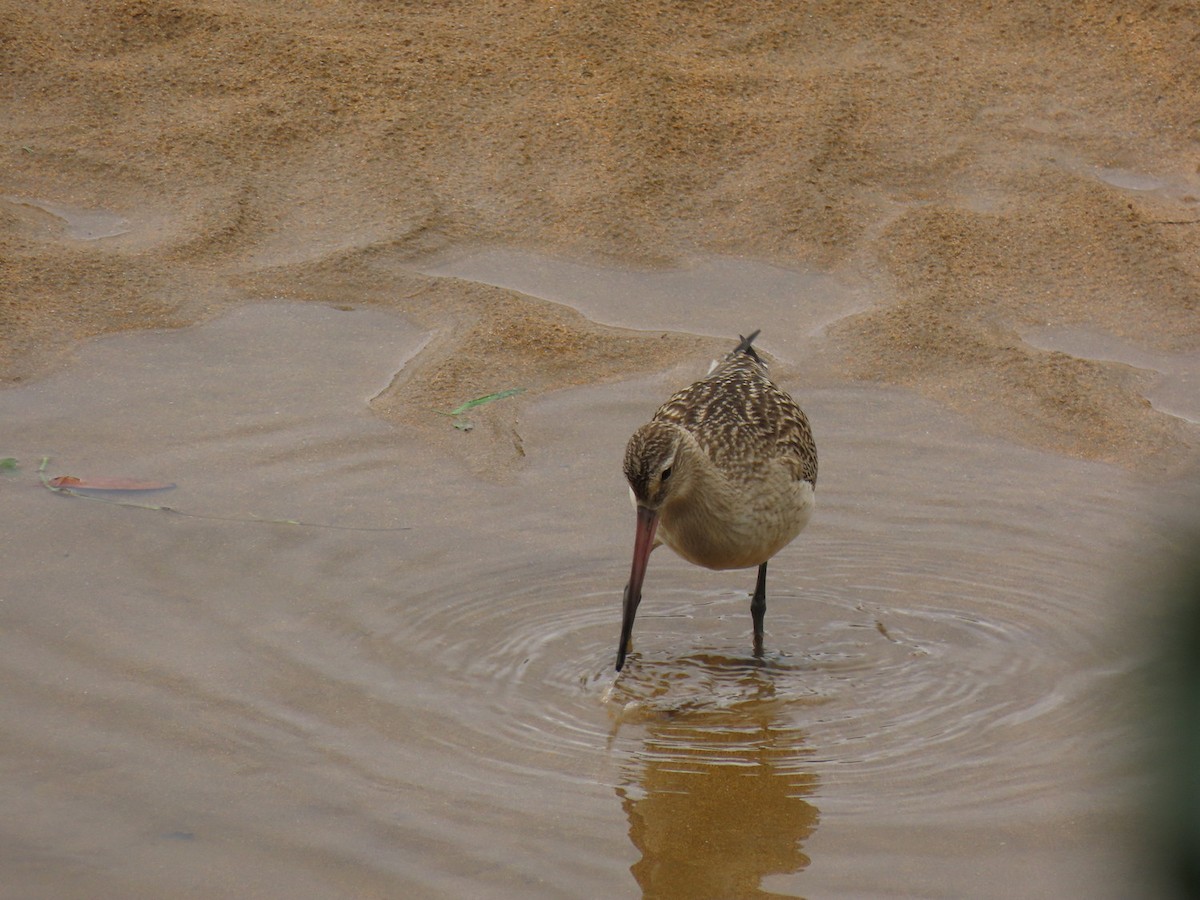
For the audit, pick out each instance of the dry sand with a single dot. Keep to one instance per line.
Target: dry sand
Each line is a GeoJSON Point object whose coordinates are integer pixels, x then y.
{"type": "Point", "coordinates": [987, 170]}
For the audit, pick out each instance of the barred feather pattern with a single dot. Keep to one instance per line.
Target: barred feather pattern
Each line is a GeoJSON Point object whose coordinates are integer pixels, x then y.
{"type": "Point", "coordinates": [739, 416]}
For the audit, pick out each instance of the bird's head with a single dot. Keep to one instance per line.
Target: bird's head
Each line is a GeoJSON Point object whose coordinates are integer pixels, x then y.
{"type": "Point", "coordinates": [656, 464]}
{"type": "Point", "coordinates": [656, 468]}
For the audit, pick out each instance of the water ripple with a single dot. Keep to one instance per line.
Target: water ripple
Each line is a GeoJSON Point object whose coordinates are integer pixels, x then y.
{"type": "Point", "coordinates": [893, 665]}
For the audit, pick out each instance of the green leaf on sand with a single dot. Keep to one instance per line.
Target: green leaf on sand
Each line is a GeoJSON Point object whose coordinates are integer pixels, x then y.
{"type": "Point", "coordinates": [479, 401]}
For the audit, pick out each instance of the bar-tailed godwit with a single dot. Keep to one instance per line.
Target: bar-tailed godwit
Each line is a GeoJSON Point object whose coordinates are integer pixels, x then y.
{"type": "Point", "coordinates": [724, 475]}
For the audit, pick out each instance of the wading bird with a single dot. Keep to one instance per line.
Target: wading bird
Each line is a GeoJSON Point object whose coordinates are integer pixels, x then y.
{"type": "Point", "coordinates": [724, 475]}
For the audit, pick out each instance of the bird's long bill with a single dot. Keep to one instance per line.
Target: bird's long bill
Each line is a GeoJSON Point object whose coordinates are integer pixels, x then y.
{"type": "Point", "coordinates": [643, 543]}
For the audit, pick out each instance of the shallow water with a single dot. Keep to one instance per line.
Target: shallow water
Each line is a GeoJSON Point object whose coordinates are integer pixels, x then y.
{"type": "Point", "coordinates": [78, 223]}
{"type": "Point", "coordinates": [411, 693]}
{"type": "Point", "coordinates": [1176, 387]}
{"type": "Point", "coordinates": [710, 296]}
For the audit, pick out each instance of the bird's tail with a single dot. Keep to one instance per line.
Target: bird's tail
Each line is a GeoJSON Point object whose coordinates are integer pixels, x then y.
{"type": "Point", "coordinates": [742, 348]}
{"type": "Point", "coordinates": [745, 347]}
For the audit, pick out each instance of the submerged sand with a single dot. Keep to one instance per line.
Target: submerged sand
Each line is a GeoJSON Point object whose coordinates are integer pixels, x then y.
{"type": "Point", "coordinates": [985, 171]}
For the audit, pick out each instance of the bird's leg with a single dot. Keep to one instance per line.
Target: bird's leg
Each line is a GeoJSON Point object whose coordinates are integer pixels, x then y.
{"type": "Point", "coordinates": [758, 608]}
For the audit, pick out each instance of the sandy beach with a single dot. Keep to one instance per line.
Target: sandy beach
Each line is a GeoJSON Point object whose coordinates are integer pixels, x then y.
{"type": "Point", "coordinates": [985, 173]}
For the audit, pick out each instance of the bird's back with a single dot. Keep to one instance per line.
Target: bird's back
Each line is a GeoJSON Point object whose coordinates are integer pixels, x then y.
{"type": "Point", "coordinates": [740, 419]}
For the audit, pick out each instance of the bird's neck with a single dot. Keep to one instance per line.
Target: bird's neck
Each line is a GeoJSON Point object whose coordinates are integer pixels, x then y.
{"type": "Point", "coordinates": [707, 493]}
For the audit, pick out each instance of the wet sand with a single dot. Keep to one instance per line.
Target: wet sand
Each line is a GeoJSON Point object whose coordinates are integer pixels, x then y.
{"type": "Point", "coordinates": [984, 172]}
{"type": "Point", "coordinates": [971, 238]}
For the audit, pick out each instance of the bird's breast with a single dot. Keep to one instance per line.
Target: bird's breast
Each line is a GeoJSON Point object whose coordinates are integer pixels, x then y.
{"type": "Point", "coordinates": [737, 531]}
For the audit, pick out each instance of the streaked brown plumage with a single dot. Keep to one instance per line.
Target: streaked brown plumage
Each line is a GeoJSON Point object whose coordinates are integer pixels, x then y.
{"type": "Point", "coordinates": [723, 474]}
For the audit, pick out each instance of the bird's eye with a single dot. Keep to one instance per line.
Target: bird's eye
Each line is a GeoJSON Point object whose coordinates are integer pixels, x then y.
{"type": "Point", "coordinates": [666, 473]}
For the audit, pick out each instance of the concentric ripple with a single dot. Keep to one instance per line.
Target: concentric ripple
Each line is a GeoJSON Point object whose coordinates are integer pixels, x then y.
{"type": "Point", "coordinates": [920, 666]}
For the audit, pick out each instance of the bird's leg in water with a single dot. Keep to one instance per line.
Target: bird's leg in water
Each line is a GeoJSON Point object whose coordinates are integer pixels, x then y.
{"type": "Point", "coordinates": [758, 608]}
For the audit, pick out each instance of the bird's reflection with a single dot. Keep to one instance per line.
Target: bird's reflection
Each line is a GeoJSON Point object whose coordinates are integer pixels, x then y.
{"type": "Point", "coordinates": [715, 796]}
